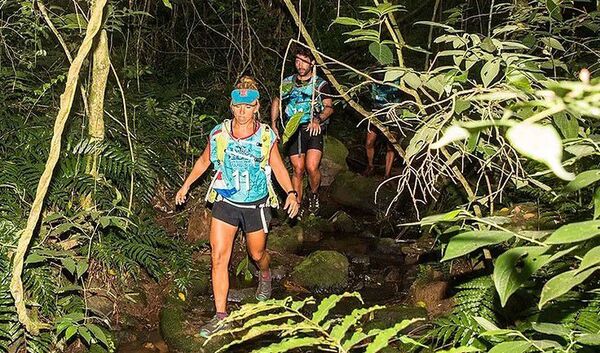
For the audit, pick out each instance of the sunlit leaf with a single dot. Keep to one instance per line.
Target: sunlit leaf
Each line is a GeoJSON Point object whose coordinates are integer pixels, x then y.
{"type": "Point", "coordinates": [574, 232]}
{"type": "Point", "coordinates": [489, 71]}
{"type": "Point", "coordinates": [452, 134]}
{"type": "Point", "coordinates": [583, 179]}
{"type": "Point", "coordinates": [562, 283]}
{"type": "Point", "coordinates": [512, 347]}
{"type": "Point", "coordinates": [382, 53]}
{"type": "Point", "coordinates": [540, 143]}
{"type": "Point", "coordinates": [467, 242]}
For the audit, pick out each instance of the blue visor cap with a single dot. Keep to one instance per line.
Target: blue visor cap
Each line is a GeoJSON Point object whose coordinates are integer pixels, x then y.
{"type": "Point", "coordinates": [244, 96]}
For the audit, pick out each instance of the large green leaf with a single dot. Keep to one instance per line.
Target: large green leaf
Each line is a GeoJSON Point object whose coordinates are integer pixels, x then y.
{"type": "Point", "coordinates": [382, 339]}
{"type": "Point", "coordinates": [541, 143]}
{"type": "Point", "coordinates": [512, 347]}
{"type": "Point", "coordinates": [574, 232]}
{"type": "Point", "coordinates": [563, 283]}
{"type": "Point", "coordinates": [514, 267]}
{"type": "Point", "coordinates": [348, 21]}
{"type": "Point", "coordinates": [437, 84]}
{"type": "Point", "coordinates": [451, 216]}
{"type": "Point", "coordinates": [591, 258]}
{"type": "Point", "coordinates": [412, 80]}
{"type": "Point", "coordinates": [583, 179]}
{"type": "Point", "coordinates": [382, 53]}
{"type": "Point", "coordinates": [553, 43]}
{"type": "Point", "coordinates": [554, 9]}
{"type": "Point", "coordinates": [589, 339]}
{"type": "Point", "coordinates": [596, 200]}
{"type": "Point", "coordinates": [461, 349]}
{"type": "Point", "coordinates": [551, 329]}
{"type": "Point", "coordinates": [291, 343]}
{"type": "Point", "coordinates": [339, 331]}
{"type": "Point", "coordinates": [291, 126]}
{"type": "Point", "coordinates": [567, 125]}
{"type": "Point", "coordinates": [467, 242]}
{"type": "Point", "coordinates": [489, 71]}
{"type": "Point", "coordinates": [453, 133]}
{"type": "Point", "coordinates": [329, 303]}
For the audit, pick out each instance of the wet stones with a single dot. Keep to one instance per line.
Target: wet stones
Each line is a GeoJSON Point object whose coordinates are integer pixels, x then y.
{"type": "Point", "coordinates": [286, 239]}
{"type": "Point", "coordinates": [353, 190]}
{"type": "Point", "coordinates": [343, 223]}
{"type": "Point", "coordinates": [322, 271]}
{"type": "Point", "coordinates": [393, 314]}
{"type": "Point", "coordinates": [389, 246]}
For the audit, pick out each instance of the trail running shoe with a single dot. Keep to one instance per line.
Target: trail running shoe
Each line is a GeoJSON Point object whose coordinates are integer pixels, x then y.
{"type": "Point", "coordinates": [212, 326]}
{"type": "Point", "coordinates": [313, 203]}
{"type": "Point", "coordinates": [263, 291]}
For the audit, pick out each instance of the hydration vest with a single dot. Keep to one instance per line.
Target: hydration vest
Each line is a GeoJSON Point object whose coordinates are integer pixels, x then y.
{"type": "Point", "coordinates": [300, 98]}
{"type": "Point", "coordinates": [220, 188]}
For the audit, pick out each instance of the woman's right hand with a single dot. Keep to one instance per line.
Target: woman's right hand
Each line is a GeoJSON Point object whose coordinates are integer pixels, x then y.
{"type": "Point", "coordinates": [291, 205]}
{"type": "Point", "coordinates": [181, 195]}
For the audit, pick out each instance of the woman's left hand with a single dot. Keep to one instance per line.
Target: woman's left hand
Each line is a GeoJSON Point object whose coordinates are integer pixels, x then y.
{"type": "Point", "coordinates": [291, 205]}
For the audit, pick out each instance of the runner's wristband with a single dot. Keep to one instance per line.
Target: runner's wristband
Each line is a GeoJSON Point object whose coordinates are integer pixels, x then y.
{"type": "Point", "coordinates": [293, 192]}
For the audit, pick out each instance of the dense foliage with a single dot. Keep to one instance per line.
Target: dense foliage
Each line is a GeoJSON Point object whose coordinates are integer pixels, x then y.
{"type": "Point", "coordinates": [495, 102]}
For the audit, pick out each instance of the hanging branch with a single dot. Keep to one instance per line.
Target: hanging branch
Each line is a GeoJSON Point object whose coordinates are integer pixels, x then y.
{"type": "Point", "coordinates": [66, 102]}
{"type": "Point", "coordinates": [372, 119]}
{"type": "Point", "coordinates": [63, 44]}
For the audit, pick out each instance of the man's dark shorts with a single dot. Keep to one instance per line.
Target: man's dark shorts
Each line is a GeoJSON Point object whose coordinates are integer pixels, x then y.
{"type": "Point", "coordinates": [248, 218]}
{"type": "Point", "coordinates": [301, 141]}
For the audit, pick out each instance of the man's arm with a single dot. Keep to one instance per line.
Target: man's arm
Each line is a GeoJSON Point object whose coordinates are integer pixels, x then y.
{"type": "Point", "coordinates": [325, 91]}
{"type": "Point", "coordinates": [327, 109]}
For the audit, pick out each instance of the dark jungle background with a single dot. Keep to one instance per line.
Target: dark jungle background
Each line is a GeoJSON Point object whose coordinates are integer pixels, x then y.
{"type": "Point", "coordinates": [485, 239]}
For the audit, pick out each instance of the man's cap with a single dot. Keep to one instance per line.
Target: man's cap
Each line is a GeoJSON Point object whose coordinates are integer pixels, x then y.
{"type": "Point", "coordinates": [244, 96]}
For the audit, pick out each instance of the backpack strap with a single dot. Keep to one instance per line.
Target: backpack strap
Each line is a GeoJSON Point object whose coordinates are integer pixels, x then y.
{"type": "Point", "coordinates": [222, 139]}
{"type": "Point", "coordinates": [265, 140]}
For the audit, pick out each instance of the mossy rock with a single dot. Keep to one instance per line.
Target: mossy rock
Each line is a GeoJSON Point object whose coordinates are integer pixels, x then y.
{"type": "Point", "coordinates": [322, 271]}
{"type": "Point", "coordinates": [334, 160]}
{"type": "Point", "coordinates": [356, 191]}
{"type": "Point", "coordinates": [286, 239]}
{"type": "Point", "coordinates": [176, 333]}
{"type": "Point", "coordinates": [342, 222]}
{"type": "Point", "coordinates": [391, 315]}
{"type": "Point", "coordinates": [335, 150]}
{"type": "Point", "coordinates": [314, 227]}
{"type": "Point", "coordinates": [200, 285]}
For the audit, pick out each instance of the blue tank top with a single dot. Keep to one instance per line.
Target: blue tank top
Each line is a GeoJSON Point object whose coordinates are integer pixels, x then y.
{"type": "Point", "coordinates": [240, 177]}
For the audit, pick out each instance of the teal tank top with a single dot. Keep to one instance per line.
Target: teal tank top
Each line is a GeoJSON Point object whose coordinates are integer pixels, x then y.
{"type": "Point", "coordinates": [239, 177]}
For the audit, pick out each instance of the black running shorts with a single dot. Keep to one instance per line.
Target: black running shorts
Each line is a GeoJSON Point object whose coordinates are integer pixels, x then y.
{"type": "Point", "coordinates": [250, 217]}
{"type": "Point", "coordinates": [301, 141]}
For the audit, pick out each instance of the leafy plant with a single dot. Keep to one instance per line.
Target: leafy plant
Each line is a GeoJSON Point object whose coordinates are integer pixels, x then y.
{"type": "Point", "coordinates": [300, 327]}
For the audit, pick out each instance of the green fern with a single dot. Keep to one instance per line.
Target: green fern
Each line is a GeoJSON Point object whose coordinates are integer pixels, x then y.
{"type": "Point", "coordinates": [458, 328]}
{"type": "Point", "coordinates": [478, 297]}
{"type": "Point", "coordinates": [298, 326]}
{"type": "Point", "coordinates": [10, 329]}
